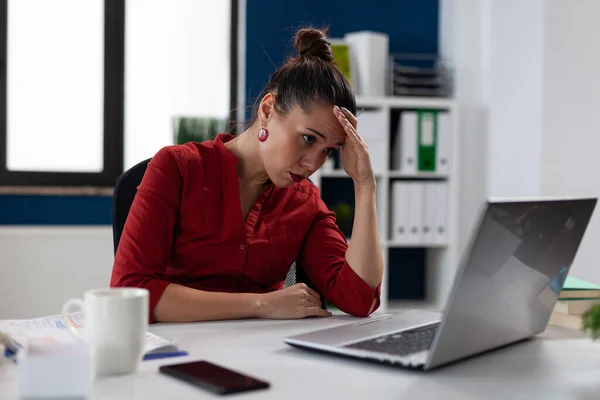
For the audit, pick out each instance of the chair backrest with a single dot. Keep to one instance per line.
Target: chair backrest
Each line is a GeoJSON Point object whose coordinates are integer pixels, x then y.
{"type": "Point", "coordinates": [123, 195]}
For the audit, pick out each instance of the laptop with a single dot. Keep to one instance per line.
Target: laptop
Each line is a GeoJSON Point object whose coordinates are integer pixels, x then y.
{"type": "Point", "coordinates": [505, 290]}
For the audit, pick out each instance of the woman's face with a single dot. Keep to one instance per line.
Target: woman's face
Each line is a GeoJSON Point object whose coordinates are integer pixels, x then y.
{"type": "Point", "coordinates": [299, 143]}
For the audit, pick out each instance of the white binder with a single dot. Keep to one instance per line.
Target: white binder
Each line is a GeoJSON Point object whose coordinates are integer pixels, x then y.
{"type": "Point", "coordinates": [444, 143]}
{"type": "Point", "coordinates": [372, 126]}
{"type": "Point", "coordinates": [380, 211]}
{"type": "Point", "coordinates": [408, 142]}
{"type": "Point", "coordinates": [415, 207]}
{"type": "Point", "coordinates": [441, 215]}
{"type": "Point", "coordinates": [396, 156]}
{"type": "Point", "coordinates": [400, 212]}
{"type": "Point", "coordinates": [430, 210]}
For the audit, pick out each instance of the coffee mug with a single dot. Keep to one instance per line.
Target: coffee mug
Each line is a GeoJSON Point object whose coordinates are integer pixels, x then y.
{"type": "Point", "coordinates": [116, 322]}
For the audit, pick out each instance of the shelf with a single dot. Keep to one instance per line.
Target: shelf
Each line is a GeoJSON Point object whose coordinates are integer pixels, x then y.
{"type": "Point", "coordinates": [340, 173]}
{"type": "Point", "coordinates": [395, 244]}
{"type": "Point", "coordinates": [418, 175]}
{"type": "Point", "coordinates": [390, 174]}
{"type": "Point", "coordinates": [414, 274]}
{"type": "Point", "coordinates": [405, 102]}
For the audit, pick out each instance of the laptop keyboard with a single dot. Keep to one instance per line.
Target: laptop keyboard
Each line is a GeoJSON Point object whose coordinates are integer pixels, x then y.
{"type": "Point", "coordinates": [400, 343]}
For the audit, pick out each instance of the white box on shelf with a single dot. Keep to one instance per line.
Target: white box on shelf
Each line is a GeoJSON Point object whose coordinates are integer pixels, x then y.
{"type": "Point", "coordinates": [369, 59]}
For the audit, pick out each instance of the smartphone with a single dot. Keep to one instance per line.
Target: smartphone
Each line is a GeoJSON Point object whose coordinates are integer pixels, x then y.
{"type": "Point", "coordinates": [213, 377]}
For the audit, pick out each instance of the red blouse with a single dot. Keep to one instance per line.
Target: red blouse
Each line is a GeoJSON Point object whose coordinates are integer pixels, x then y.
{"type": "Point", "coordinates": [185, 226]}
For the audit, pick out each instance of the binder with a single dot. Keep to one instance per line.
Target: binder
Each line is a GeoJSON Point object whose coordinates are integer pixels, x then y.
{"type": "Point", "coordinates": [372, 126]}
{"type": "Point", "coordinates": [444, 142]}
{"type": "Point", "coordinates": [427, 126]}
{"type": "Point", "coordinates": [441, 214]}
{"type": "Point", "coordinates": [407, 141]}
{"type": "Point", "coordinates": [430, 210]}
{"type": "Point", "coordinates": [381, 225]}
{"type": "Point", "coordinates": [341, 56]}
{"type": "Point", "coordinates": [368, 57]}
{"type": "Point", "coordinates": [396, 152]}
{"type": "Point", "coordinates": [415, 207]}
{"type": "Point", "coordinates": [400, 212]}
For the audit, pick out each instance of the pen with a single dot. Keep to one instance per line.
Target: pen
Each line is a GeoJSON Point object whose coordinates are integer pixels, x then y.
{"type": "Point", "coordinates": [10, 349]}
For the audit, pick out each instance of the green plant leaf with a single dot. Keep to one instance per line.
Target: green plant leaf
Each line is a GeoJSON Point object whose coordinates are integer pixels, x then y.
{"type": "Point", "coordinates": [197, 129]}
{"type": "Point", "coordinates": [591, 321]}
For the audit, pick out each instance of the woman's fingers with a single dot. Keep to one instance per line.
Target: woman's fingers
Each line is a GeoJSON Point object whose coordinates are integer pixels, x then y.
{"type": "Point", "coordinates": [350, 117]}
{"type": "Point", "coordinates": [310, 295]}
{"type": "Point", "coordinates": [315, 312]}
{"type": "Point", "coordinates": [349, 128]}
{"type": "Point", "coordinates": [310, 290]}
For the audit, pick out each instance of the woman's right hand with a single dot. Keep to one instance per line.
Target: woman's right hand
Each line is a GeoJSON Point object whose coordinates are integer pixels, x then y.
{"type": "Point", "coordinates": [297, 301]}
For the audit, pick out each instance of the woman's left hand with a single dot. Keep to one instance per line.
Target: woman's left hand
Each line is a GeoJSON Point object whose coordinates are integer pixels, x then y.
{"type": "Point", "coordinates": [354, 153]}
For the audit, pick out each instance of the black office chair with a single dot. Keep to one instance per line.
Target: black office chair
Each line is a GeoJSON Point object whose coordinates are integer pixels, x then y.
{"type": "Point", "coordinates": [123, 195]}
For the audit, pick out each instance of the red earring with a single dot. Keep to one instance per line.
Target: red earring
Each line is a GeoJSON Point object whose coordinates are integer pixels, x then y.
{"type": "Point", "coordinates": [262, 134]}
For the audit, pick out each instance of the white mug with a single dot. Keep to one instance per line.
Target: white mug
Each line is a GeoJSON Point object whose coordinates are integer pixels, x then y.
{"type": "Point", "coordinates": [116, 322]}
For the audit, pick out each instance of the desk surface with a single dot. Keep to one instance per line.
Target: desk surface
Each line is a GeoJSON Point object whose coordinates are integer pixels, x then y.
{"type": "Point", "coordinates": [557, 364]}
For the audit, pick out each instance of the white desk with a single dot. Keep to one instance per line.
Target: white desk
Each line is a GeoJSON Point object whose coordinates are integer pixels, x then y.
{"type": "Point", "coordinates": [558, 364]}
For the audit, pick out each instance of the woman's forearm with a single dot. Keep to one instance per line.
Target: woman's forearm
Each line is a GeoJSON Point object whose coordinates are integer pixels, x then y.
{"type": "Point", "coordinates": [364, 251]}
{"type": "Point", "coordinates": [183, 304]}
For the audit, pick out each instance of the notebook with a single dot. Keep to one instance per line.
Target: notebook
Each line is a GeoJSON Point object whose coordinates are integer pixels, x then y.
{"type": "Point", "coordinates": [574, 288]}
{"type": "Point", "coordinates": [51, 329]}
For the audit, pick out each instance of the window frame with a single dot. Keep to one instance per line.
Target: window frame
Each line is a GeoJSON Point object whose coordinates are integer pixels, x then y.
{"type": "Point", "coordinates": [114, 103]}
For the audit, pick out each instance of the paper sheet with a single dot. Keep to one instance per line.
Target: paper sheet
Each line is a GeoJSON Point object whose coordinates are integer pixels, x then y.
{"type": "Point", "coordinates": [51, 329]}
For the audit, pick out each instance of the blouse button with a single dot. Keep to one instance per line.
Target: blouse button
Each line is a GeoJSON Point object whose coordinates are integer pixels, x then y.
{"type": "Point", "coordinates": [241, 247]}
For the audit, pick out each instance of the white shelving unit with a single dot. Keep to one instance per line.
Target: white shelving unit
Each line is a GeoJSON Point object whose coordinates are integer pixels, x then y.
{"type": "Point", "coordinates": [441, 260]}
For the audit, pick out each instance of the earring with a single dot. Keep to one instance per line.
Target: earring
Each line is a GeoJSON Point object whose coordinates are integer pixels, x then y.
{"type": "Point", "coordinates": [262, 134]}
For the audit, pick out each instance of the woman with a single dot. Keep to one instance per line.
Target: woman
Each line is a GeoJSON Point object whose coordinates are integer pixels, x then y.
{"type": "Point", "coordinates": [215, 226]}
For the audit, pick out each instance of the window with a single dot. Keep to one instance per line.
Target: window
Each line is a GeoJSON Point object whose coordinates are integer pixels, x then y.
{"type": "Point", "coordinates": [90, 88]}
{"type": "Point", "coordinates": [178, 63]}
{"type": "Point", "coordinates": [62, 92]}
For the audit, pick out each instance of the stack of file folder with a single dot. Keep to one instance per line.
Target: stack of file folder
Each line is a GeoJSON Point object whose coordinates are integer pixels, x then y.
{"type": "Point", "coordinates": [419, 213]}
{"type": "Point", "coordinates": [418, 75]}
{"type": "Point", "coordinates": [423, 142]}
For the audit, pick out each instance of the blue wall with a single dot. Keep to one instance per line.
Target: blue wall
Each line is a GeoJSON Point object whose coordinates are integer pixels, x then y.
{"type": "Point", "coordinates": [412, 26]}
{"type": "Point", "coordinates": [55, 210]}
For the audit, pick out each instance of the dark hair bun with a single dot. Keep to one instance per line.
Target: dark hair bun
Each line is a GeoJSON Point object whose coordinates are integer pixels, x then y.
{"type": "Point", "coordinates": [312, 42]}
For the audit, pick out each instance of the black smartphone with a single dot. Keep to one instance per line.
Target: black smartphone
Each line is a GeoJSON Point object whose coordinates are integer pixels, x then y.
{"type": "Point", "coordinates": [213, 377]}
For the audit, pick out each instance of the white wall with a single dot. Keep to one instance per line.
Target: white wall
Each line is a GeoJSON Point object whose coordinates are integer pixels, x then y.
{"type": "Point", "coordinates": [571, 144]}
{"type": "Point", "coordinates": [527, 86]}
{"type": "Point", "coordinates": [42, 267]}
{"type": "Point", "coordinates": [514, 59]}
{"type": "Point", "coordinates": [462, 44]}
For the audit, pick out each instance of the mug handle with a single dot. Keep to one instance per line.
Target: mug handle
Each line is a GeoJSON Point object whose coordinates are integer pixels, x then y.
{"type": "Point", "coordinates": [65, 314]}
